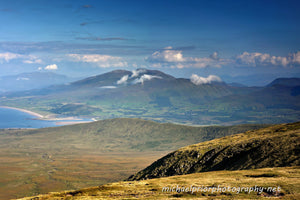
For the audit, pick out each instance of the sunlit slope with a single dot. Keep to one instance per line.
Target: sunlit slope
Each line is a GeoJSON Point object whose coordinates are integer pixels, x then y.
{"type": "Point", "coordinates": [275, 146]}
{"type": "Point", "coordinates": [274, 150]}
{"type": "Point", "coordinates": [287, 179]}
{"type": "Point", "coordinates": [38, 161]}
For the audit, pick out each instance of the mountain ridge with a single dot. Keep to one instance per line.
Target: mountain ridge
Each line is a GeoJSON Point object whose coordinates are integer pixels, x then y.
{"type": "Point", "coordinates": [154, 95]}
{"type": "Point", "coordinates": [275, 146]}
{"type": "Point", "coordinates": [31, 80]}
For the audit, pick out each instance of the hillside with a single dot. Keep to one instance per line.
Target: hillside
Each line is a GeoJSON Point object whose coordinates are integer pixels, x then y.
{"type": "Point", "coordinates": [37, 161]}
{"type": "Point", "coordinates": [275, 146]}
{"type": "Point", "coordinates": [121, 134]}
{"type": "Point", "coordinates": [274, 150]}
{"type": "Point", "coordinates": [291, 82]}
{"type": "Point", "coordinates": [284, 181]}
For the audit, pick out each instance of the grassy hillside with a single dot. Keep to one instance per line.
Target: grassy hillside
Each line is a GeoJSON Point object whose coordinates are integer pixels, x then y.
{"type": "Point", "coordinates": [274, 150]}
{"type": "Point", "coordinates": [285, 182]}
{"type": "Point", "coordinates": [37, 161]}
{"type": "Point", "coordinates": [275, 146]}
{"type": "Point", "coordinates": [119, 135]}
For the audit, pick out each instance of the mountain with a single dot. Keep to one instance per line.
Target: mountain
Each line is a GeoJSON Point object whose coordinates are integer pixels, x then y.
{"type": "Point", "coordinates": [276, 146]}
{"type": "Point", "coordinates": [150, 94]}
{"type": "Point", "coordinates": [129, 77]}
{"type": "Point", "coordinates": [290, 82]}
{"type": "Point", "coordinates": [154, 95]}
{"type": "Point", "coordinates": [35, 161]}
{"type": "Point", "coordinates": [33, 80]}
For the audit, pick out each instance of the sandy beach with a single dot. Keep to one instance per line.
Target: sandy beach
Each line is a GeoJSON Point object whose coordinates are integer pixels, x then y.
{"type": "Point", "coordinates": [26, 111]}
{"type": "Point", "coordinates": [59, 120]}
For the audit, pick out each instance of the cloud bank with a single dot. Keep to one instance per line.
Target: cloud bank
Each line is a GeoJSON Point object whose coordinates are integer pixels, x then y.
{"type": "Point", "coordinates": [198, 80]}
{"type": "Point", "coordinates": [174, 58]}
{"type": "Point", "coordinates": [29, 59]}
{"type": "Point", "coordinates": [256, 59]}
{"type": "Point", "coordinates": [103, 61]}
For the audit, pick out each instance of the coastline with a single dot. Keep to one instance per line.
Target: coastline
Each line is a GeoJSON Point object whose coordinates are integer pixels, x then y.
{"type": "Point", "coordinates": [59, 120]}
{"type": "Point", "coordinates": [26, 111]}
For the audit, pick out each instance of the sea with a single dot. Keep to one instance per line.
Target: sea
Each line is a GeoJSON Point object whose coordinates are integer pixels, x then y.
{"type": "Point", "coordinates": [11, 118]}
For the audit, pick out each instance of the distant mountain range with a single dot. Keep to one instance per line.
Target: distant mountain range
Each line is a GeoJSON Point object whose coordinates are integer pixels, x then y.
{"type": "Point", "coordinates": [28, 81]}
{"type": "Point", "coordinates": [152, 94]}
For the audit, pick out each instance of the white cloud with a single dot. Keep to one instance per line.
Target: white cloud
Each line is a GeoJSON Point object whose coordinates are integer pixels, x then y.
{"type": "Point", "coordinates": [9, 56]}
{"type": "Point", "coordinates": [145, 77]}
{"type": "Point", "coordinates": [38, 61]}
{"type": "Point", "coordinates": [51, 67]}
{"type": "Point", "coordinates": [22, 79]}
{"type": "Point", "coordinates": [136, 73]}
{"type": "Point", "coordinates": [29, 59]}
{"type": "Point", "coordinates": [167, 55]}
{"type": "Point", "coordinates": [101, 60]}
{"type": "Point", "coordinates": [108, 87]}
{"type": "Point", "coordinates": [175, 59]}
{"type": "Point", "coordinates": [198, 80]}
{"type": "Point", "coordinates": [123, 80]}
{"type": "Point", "coordinates": [256, 59]}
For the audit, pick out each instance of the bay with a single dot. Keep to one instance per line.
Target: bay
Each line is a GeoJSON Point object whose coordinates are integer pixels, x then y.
{"type": "Point", "coordinates": [12, 118]}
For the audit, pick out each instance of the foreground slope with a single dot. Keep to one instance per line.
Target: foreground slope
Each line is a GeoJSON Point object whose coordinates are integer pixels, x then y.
{"type": "Point", "coordinates": [275, 146]}
{"type": "Point", "coordinates": [38, 161]}
{"type": "Point", "coordinates": [278, 176]}
{"type": "Point", "coordinates": [285, 181]}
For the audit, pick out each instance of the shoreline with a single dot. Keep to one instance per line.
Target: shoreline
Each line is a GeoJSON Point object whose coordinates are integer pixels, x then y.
{"type": "Point", "coordinates": [69, 120]}
{"type": "Point", "coordinates": [25, 111]}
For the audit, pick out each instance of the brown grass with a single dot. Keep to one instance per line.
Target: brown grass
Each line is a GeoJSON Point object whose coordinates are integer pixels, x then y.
{"type": "Point", "coordinates": [288, 179]}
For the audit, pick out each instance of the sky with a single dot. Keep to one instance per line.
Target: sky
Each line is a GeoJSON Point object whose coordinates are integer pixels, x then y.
{"type": "Point", "coordinates": [249, 41]}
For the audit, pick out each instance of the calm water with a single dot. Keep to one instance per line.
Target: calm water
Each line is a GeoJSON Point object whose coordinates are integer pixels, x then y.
{"type": "Point", "coordinates": [10, 118]}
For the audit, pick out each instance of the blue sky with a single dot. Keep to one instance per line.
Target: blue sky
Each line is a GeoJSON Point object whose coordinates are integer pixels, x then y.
{"type": "Point", "coordinates": [230, 39]}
